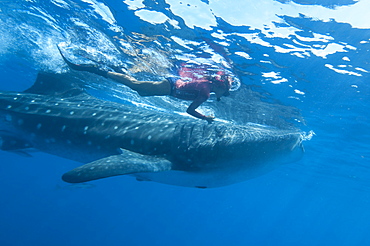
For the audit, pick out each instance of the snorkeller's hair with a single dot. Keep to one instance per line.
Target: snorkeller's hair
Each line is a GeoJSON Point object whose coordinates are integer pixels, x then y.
{"type": "Point", "coordinates": [221, 79]}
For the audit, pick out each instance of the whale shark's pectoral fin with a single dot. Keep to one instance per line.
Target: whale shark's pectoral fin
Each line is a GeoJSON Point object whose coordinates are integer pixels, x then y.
{"type": "Point", "coordinates": [126, 163]}
{"type": "Point", "coordinates": [10, 142]}
{"type": "Point", "coordinates": [14, 144]}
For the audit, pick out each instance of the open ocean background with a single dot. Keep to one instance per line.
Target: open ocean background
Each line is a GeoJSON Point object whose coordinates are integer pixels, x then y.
{"type": "Point", "coordinates": [310, 55]}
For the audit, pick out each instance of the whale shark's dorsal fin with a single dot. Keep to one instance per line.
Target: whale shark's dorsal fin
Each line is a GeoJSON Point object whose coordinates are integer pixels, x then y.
{"type": "Point", "coordinates": [56, 84]}
{"type": "Point", "coordinates": [126, 163]}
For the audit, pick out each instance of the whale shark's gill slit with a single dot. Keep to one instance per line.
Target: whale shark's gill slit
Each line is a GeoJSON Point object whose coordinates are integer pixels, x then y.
{"type": "Point", "coordinates": [186, 134]}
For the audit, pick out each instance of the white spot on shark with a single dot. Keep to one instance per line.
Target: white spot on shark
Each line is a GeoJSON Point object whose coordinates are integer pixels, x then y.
{"type": "Point", "coordinates": [9, 107]}
{"type": "Point", "coordinates": [94, 114]}
{"type": "Point", "coordinates": [116, 127]}
{"type": "Point", "coordinates": [27, 108]}
{"type": "Point", "coordinates": [48, 111]}
{"type": "Point", "coordinates": [39, 125]}
{"type": "Point", "coordinates": [15, 98]}
{"type": "Point", "coordinates": [63, 128]}
{"type": "Point", "coordinates": [71, 113]}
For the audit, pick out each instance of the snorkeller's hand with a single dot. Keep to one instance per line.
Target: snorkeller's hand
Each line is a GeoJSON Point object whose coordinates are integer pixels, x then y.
{"type": "Point", "coordinates": [209, 118]}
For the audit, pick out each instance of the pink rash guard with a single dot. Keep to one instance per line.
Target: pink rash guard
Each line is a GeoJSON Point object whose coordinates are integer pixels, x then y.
{"type": "Point", "coordinates": [193, 85]}
{"type": "Point", "coordinates": [196, 91]}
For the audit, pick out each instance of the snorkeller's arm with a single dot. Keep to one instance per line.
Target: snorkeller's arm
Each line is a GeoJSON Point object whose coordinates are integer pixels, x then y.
{"type": "Point", "coordinates": [192, 110]}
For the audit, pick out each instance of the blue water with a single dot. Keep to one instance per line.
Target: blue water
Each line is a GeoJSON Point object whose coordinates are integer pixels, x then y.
{"type": "Point", "coordinates": [307, 60]}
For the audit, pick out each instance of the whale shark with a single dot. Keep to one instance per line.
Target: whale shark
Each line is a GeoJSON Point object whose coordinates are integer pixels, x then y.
{"type": "Point", "coordinates": [58, 116]}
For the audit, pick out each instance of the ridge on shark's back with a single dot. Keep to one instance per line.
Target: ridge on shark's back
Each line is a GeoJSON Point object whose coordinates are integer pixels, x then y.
{"type": "Point", "coordinates": [57, 116]}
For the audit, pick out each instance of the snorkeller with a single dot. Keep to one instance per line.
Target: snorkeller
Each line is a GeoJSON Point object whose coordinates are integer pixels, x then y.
{"type": "Point", "coordinates": [197, 89]}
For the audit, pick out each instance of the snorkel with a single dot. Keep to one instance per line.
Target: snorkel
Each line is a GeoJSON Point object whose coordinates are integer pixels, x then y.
{"type": "Point", "coordinates": [222, 81]}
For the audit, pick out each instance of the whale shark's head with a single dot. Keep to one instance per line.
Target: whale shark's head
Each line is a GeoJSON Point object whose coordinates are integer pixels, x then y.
{"type": "Point", "coordinates": [218, 145]}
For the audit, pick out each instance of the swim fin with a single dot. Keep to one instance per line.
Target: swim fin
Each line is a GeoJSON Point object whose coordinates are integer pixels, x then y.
{"type": "Point", "coordinates": [91, 68]}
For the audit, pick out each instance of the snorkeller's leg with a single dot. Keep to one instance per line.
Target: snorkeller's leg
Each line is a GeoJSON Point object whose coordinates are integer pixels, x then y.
{"type": "Point", "coordinates": [144, 88]}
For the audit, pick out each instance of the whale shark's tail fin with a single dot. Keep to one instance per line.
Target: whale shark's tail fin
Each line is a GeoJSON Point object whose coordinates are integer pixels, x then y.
{"type": "Point", "coordinates": [126, 163]}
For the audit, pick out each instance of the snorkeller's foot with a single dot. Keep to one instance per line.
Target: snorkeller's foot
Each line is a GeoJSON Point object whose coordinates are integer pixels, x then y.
{"type": "Point", "coordinates": [92, 68]}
